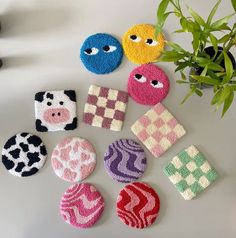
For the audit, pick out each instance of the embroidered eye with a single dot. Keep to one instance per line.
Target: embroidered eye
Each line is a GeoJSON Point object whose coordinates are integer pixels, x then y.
{"type": "Point", "coordinates": [151, 42]}
{"type": "Point", "coordinates": [49, 104]}
{"type": "Point", "coordinates": [61, 103]}
{"type": "Point", "coordinates": [135, 38]}
{"type": "Point", "coordinates": [140, 78]}
{"type": "Point", "coordinates": [109, 48]}
{"type": "Point", "coordinates": [156, 84]}
{"type": "Point", "coordinates": [91, 51]}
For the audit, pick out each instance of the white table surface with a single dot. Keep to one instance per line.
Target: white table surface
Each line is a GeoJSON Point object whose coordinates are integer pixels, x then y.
{"type": "Point", "coordinates": [40, 46]}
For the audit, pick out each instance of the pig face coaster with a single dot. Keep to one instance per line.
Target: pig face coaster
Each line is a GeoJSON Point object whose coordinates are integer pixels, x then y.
{"type": "Point", "coordinates": [55, 110]}
{"type": "Point", "coordinates": [138, 205]}
{"type": "Point", "coordinates": [190, 172]}
{"type": "Point", "coordinates": [148, 84]}
{"type": "Point", "coordinates": [105, 107]}
{"type": "Point", "coordinates": [101, 53]}
{"type": "Point", "coordinates": [141, 46]}
{"type": "Point", "coordinates": [73, 159]}
{"type": "Point", "coordinates": [82, 205]}
{"type": "Point", "coordinates": [158, 130]}
{"type": "Point", "coordinates": [24, 154]}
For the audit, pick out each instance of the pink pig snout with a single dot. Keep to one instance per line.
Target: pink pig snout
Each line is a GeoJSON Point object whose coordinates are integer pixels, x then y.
{"type": "Point", "coordinates": [56, 115]}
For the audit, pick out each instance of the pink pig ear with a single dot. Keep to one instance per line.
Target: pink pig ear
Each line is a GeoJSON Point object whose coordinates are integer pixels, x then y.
{"type": "Point", "coordinates": [152, 92]}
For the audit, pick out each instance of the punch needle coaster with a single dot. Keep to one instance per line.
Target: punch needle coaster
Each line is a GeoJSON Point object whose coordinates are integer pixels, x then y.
{"type": "Point", "coordinates": [190, 172]}
{"type": "Point", "coordinates": [138, 205]}
{"type": "Point", "coordinates": [141, 46]}
{"type": "Point", "coordinates": [101, 53]}
{"type": "Point", "coordinates": [148, 84]}
{"type": "Point", "coordinates": [81, 205]}
{"type": "Point", "coordinates": [55, 110]}
{"type": "Point", "coordinates": [105, 108]}
{"type": "Point", "coordinates": [158, 130]}
{"type": "Point", "coordinates": [24, 154]}
{"type": "Point", "coordinates": [73, 159]}
{"type": "Point", "coordinates": [125, 160]}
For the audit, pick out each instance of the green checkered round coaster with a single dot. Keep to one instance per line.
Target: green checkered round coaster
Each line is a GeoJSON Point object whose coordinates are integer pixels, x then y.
{"type": "Point", "coordinates": [190, 172]}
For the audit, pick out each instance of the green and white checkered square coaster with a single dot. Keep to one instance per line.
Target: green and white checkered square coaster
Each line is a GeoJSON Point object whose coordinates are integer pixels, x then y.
{"type": "Point", "coordinates": [190, 172]}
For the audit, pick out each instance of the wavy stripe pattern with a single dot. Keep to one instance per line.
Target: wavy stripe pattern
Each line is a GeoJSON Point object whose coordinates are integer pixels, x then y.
{"type": "Point", "coordinates": [138, 205]}
{"type": "Point", "coordinates": [125, 160]}
{"type": "Point", "coordinates": [82, 205]}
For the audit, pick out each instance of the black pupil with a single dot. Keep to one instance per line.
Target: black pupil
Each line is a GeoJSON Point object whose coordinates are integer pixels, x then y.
{"type": "Point", "coordinates": [106, 48]}
{"type": "Point", "coordinates": [149, 41]}
{"type": "Point", "coordinates": [133, 37]}
{"type": "Point", "coordinates": [138, 76]}
{"type": "Point", "coordinates": [154, 82]}
{"type": "Point", "coordinates": [61, 103]}
{"type": "Point", "coordinates": [88, 51]}
{"type": "Point", "coordinates": [49, 103]}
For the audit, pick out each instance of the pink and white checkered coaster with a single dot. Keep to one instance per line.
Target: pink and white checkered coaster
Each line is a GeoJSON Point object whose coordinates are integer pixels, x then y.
{"type": "Point", "coordinates": [105, 107]}
{"type": "Point", "coordinates": [158, 130]}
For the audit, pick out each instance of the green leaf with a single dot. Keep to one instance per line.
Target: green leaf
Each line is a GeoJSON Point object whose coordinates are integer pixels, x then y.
{"type": "Point", "coordinates": [171, 56]}
{"type": "Point", "coordinates": [228, 68]}
{"type": "Point", "coordinates": [196, 42]}
{"type": "Point", "coordinates": [183, 75]}
{"type": "Point", "coordinates": [175, 46]}
{"type": "Point", "coordinates": [221, 22]}
{"type": "Point", "coordinates": [212, 13]}
{"type": "Point", "coordinates": [234, 4]}
{"type": "Point", "coordinates": [216, 97]}
{"type": "Point", "coordinates": [206, 80]}
{"type": "Point", "coordinates": [224, 39]}
{"type": "Point", "coordinates": [227, 103]}
{"type": "Point", "coordinates": [215, 67]}
{"type": "Point", "coordinates": [225, 93]}
{"type": "Point", "coordinates": [204, 71]}
{"type": "Point", "coordinates": [214, 42]}
{"type": "Point", "coordinates": [196, 17]}
{"type": "Point", "coordinates": [182, 82]}
{"type": "Point", "coordinates": [198, 92]}
{"type": "Point", "coordinates": [189, 94]}
{"type": "Point", "coordinates": [182, 65]}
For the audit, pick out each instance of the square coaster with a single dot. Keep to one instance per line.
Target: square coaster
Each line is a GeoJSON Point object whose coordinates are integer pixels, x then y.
{"type": "Point", "coordinates": [105, 107]}
{"type": "Point", "coordinates": [55, 110]}
{"type": "Point", "coordinates": [158, 130]}
{"type": "Point", "coordinates": [190, 172]}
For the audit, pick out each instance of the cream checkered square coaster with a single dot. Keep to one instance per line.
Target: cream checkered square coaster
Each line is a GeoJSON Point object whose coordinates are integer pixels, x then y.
{"type": "Point", "coordinates": [105, 107]}
{"type": "Point", "coordinates": [190, 172]}
{"type": "Point", "coordinates": [158, 130]}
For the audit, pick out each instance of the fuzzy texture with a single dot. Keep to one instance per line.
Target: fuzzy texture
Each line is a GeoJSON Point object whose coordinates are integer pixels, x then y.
{"type": "Point", "coordinates": [24, 154]}
{"type": "Point", "coordinates": [73, 159]}
{"type": "Point", "coordinates": [190, 172]}
{"type": "Point", "coordinates": [125, 160]}
{"type": "Point", "coordinates": [81, 205]}
{"type": "Point", "coordinates": [105, 107]}
{"type": "Point", "coordinates": [55, 110]}
{"type": "Point", "coordinates": [138, 205]}
{"type": "Point", "coordinates": [101, 53]}
{"type": "Point", "coordinates": [158, 130]}
{"type": "Point", "coordinates": [140, 45]}
{"type": "Point", "coordinates": [148, 84]}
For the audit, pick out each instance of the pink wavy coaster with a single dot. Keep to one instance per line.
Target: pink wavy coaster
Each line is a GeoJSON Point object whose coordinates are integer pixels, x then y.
{"type": "Point", "coordinates": [82, 205]}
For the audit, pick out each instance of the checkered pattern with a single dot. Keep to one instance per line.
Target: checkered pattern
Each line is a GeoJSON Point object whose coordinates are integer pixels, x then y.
{"type": "Point", "coordinates": [158, 130]}
{"type": "Point", "coordinates": [190, 172]}
{"type": "Point", "coordinates": [105, 108]}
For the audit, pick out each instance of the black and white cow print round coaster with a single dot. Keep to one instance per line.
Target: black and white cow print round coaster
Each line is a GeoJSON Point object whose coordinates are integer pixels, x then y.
{"type": "Point", "coordinates": [24, 154]}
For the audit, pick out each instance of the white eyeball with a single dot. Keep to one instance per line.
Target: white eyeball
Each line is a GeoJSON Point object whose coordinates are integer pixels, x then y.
{"type": "Point", "coordinates": [91, 51]}
{"type": "Point", "coordinates": [140, 78]}
{"type": "Point", "coordinates": [109, 48]}
{"type": "Point", "coordinates": [156, 84]}
{"type": "Point", "coordinates": [151, 42]}
{"type": "Point", "coordinates": [135, 38]}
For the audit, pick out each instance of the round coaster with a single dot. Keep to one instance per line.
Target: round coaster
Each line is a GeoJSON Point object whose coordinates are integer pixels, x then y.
{"type": "Point", "coordinates": [138, 205]}
{"type": "Point", "coordinates": [82, 205]}
{"type": "Point", "coordinates": [73, 159]}
{"type": "Point", "coordinates": [125, 160]}
{"type": "Point", "coordinates": [140, 45]}
{"type": "Point", "coordinates": [148, 84]}
{"type": "Point", "coordinates": [24, 154]}
{"type": "Point", "coordinates": [101, 53]}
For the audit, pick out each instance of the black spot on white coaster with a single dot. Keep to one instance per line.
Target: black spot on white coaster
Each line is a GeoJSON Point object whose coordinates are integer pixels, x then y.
{"type": "Point", "coordinates": [24, 154]}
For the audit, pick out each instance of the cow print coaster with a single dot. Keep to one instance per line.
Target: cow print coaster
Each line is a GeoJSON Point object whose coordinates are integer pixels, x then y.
{"type": "Point", "coordinates": [73, 159]}
{"type": "Point", "coordinates": [24, 154]}
{"type": "Point", "coordinates": [55, 110]}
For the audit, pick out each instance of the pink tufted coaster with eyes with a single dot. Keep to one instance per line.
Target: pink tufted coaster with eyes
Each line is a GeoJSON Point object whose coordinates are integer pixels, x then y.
{"type": "Point", "coordinates": [73, 159]}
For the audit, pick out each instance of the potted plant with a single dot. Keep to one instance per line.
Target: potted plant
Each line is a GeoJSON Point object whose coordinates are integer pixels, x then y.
{"type": "Point", "coordinates": [210, 62]}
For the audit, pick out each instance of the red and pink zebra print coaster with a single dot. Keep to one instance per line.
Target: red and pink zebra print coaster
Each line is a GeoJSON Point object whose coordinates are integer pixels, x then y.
{"type": "Point", "coordinates": [82, 205]}
{"type": "Point", "coordinates": [138, 205]}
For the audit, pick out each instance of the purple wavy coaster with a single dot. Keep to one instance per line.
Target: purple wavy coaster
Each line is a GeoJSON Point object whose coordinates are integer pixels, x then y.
{"type": "Point", "coordinates": [125, 160]}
